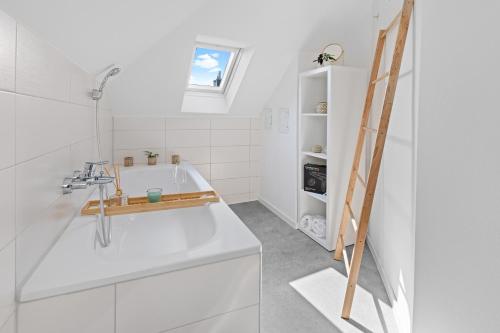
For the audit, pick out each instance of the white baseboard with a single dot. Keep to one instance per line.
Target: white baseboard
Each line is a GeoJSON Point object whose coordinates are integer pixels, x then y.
{"type": "Point", "coordinates": [278, 212]}
{"type": "Point", "coordinates": [383, 276]}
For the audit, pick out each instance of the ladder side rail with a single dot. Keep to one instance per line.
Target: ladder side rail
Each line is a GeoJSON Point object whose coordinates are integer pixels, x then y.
{"type": "Point", "coordinates": [357, 254]}
{"type": "Point", "coordinates": [359, 145]}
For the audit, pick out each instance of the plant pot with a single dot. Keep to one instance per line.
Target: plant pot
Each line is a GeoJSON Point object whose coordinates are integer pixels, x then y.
{"type": "Point", "coordinates": [152, 160]}
{"type": "Point", "coordinates": [128, 161]}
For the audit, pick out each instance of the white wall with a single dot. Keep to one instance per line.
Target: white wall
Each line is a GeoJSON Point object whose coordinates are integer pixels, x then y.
{"type": "Point", "coordinates": [391, 230]}
{"type": "Point", "coordinates": [279, 154]}
{"type": "Point", "coordinates": [457, 241]}
{"type": "Point", "coordinates": [46, 131]}
{"type": "Point", "coordinates": [226, 151]}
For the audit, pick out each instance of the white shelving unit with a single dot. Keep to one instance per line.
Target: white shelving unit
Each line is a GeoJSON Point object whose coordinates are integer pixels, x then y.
{"type": "Point", "coordinates": [317, 155]}
{"type": "Point", "coordinates": [343, 88]}
{"type": "Point", "coordinates": [317, 196]}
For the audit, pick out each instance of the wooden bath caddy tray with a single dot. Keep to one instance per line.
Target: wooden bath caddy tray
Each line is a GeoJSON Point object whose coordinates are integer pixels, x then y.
{"type": "Point", "coordinates": [141, 204]}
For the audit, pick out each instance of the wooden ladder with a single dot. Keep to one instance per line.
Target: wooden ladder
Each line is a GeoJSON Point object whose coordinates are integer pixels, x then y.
{"type": "Point", "coordinates": [370, 185]}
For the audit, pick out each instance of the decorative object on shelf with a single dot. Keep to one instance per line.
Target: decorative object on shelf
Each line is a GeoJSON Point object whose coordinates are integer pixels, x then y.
{"type": "Point", "coordinates": [318, 226]}
{"type": "Point", "coordinates": [315, 224]}
{"type": "Point", "coordinates": [152, 157]}
{"type": "Point", "coordinates": [305, 221]}
{"type": "Point", "coordinates": [315, 178]}
{"type": "Point", "coordinates": [322, 107]}
{"type": "Point", "coordinates": [154, 195]}
{"type": "Point", "coordinates": [317, 149]}
{"type": "Point", "coordinates": [176, 159]}
{"type": "Point", "coordinates": [128, 161]}
{"type": "Point", "coordinates": [330, 54]}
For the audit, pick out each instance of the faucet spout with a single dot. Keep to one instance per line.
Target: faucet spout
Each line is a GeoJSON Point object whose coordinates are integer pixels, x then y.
{"type": "Point", "coordinates": [89, 177]}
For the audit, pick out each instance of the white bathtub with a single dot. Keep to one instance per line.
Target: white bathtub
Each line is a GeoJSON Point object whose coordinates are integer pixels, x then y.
{"type": "Point", "coordinates": [142, 244]}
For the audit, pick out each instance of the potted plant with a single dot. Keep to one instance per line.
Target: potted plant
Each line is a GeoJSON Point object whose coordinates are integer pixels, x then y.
{"type": "Point", "coordinates": [324, 58]}
{"type": "Point", "coordinates": [152, 157]}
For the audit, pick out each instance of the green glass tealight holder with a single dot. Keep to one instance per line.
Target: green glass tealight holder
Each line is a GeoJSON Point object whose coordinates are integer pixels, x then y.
{"type": "Point", "coordinates": [154, 195]}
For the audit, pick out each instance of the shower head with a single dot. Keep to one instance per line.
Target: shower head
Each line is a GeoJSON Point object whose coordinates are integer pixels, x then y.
{"type": "Point", "coordinates": [114, 71]}
{"type": "Point", "coordinates": [97, 93]}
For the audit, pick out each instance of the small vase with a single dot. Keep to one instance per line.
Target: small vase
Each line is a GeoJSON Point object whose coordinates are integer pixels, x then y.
{"type": "Point", "coordinates": [152, 160]}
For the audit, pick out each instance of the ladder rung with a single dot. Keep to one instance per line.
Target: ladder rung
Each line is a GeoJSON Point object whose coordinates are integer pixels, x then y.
{"type": "Point", "coordinates": [361, 180]}
{"type": "Point", "coordinates": [350, 211]}
{"type": "Point", "coordinates": [354, 225]}
{"type": "Point", "coordinates": [393, 23]}
{"type": "Point", "coordinates": [380, 78]}
{"type": "Point", "coordinates": [346, 261]}
{"type": "Point", "coordinates": [353, 220]}
{"type": "Point", "coordinates": [369, 129]}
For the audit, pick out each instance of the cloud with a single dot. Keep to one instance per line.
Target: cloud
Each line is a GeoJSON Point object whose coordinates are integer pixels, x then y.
{"type": "Point", "coordinates": [215, 55]}
{"type": "Point", "coordinates": [215, 69]}
{"type": "Point", "coordinates": [206, 61]}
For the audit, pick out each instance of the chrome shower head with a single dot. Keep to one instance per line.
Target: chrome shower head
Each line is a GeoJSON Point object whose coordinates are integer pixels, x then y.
{"type": "Point", "coordinates": [114, 71]}
{"type": "Point", "coordinates": [97, 93]}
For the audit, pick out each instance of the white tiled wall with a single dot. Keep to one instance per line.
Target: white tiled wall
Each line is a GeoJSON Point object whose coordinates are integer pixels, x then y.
{"type": "Point", "coordinates": [222, 297]}
{"type": "Point", "coordinates": [46, 131]}
{"type": "Point", "coordinates": [89, 311]}
{"type": "Point", "coordinates": [226, 151]}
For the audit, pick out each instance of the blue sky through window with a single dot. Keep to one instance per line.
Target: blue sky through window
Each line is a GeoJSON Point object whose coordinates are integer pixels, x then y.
{"type": "Point", "coordinates": [206, 66]}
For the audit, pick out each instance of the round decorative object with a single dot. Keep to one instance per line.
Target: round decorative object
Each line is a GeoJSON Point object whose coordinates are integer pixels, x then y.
{"type": "Point", "coordinates": [322, 107]}
{"type": "Point", "coordinates": [335, 50]}
{"type": "Point", "coordinates": [317, 149]}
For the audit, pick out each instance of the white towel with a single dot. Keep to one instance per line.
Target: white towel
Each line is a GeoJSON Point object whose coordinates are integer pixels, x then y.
{"type": "Point", "coordinates": [305, 221]}
{"type": "Point", "coordinates": [318, 226]}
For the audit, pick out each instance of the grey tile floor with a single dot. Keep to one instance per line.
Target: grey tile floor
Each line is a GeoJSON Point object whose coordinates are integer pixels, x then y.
{"type": "Point", "coordinates": [288, 255]}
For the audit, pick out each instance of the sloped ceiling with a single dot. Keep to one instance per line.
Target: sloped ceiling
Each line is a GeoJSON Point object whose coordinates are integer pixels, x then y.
{"type": "Point", "coordinates": [96, 33]}
{"type": "Point", "coordinates": [153, 40]}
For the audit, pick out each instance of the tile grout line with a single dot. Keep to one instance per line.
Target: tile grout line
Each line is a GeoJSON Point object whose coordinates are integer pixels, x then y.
{"type": "Point", "coordinates": [15, 186]}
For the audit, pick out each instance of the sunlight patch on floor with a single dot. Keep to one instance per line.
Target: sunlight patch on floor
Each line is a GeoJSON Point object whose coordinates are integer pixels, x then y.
{"type": "Point", "coordinates": [325, 291]}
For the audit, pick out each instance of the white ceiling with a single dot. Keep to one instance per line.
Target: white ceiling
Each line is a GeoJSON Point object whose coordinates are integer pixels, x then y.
{"type": "Point", "coordinates": [153, 40]}
{"type": "Point", "coordinates": [96, 33]}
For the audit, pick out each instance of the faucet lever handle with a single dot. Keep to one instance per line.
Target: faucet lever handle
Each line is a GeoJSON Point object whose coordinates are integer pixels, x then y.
{"type": "Point", "coordinates": [89, 167]}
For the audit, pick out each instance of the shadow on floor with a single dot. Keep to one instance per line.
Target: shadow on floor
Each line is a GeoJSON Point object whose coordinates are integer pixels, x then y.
{"type": "Point", "coordinates": [314, 303]}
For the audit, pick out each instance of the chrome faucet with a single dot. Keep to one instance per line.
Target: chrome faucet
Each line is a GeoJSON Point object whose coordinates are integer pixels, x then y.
{"type": "Point", "coordinates": [88, 177]}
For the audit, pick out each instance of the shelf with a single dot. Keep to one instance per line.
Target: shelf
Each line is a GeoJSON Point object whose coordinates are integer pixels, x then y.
{"type": "Point", "coordinates": [320, 197]}
{"type": "Point", "coordinates": [315, 115]}
{"type": "Point", "coordinates": [317, 155]}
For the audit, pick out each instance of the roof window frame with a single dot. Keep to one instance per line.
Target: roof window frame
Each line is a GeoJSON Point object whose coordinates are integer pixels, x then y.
{"type": "Point", "coordinates": [232, 64]}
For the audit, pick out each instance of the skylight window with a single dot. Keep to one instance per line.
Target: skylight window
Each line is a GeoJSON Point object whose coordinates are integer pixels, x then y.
{"type": "Point", "coordinates": [211, 68]}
